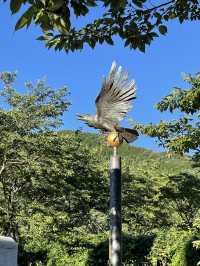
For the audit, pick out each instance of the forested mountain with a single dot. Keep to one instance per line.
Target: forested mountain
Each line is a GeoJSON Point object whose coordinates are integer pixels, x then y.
{"type": "Point", "coordinates": [137, 155]}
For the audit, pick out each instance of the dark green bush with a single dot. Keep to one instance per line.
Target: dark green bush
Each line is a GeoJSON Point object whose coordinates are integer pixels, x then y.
{"type": "Point", "coordinates": [135, 251]}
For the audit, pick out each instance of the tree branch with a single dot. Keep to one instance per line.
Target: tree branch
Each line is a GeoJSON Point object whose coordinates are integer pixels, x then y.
{"type": "Point", "coordinates": [159, 6]}
{"type": "Point", "coordinates": [3, 165]}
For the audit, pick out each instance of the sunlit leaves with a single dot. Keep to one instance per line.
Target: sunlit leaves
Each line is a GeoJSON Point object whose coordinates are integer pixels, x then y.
{"type": "Point", "coordinates": [185, 100]}
{"type": "Point", "coordinates": [181, 135]}
{"type": "Point", "coordinates": [25, 19]}
{"type": "Point", "coordinates": [136, 22]}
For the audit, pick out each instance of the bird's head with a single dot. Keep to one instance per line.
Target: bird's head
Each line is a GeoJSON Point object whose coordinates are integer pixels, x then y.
{"type": "Point", "coordinates": [86, 118]}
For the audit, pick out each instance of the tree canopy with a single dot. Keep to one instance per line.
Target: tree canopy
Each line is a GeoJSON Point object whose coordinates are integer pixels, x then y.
{"type": "Point", "coordinates": [136, 22]}
{"type": "Point", "coordinates": [179, 135]}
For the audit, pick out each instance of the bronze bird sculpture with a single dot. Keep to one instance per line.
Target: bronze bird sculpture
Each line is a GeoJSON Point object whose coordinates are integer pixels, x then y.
{"type": "Point", "coordinates": [112, 104]}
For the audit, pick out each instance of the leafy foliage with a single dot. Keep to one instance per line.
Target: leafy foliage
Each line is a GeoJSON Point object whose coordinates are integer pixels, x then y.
{"type": "Point", "coordinates": [181, 135]}
{"type": "Point", "coordinates": [137, 22]}
{"type": "Point", "coordinates": [180, 247]}
{"type": "Point", "coordinates": [22, 124]}
{"type": "Point", "coordinates": [135, 251]}
{"type": "Point", "coordinates": [174, 247]}
{"type": "Point", "coordinates": [182, 191]}
{"type": "Point", "coordinates": [54, 190]}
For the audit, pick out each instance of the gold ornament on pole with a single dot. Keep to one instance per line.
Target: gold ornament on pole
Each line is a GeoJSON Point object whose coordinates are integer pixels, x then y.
{"type": "Point", "coordinates": [114, 139]}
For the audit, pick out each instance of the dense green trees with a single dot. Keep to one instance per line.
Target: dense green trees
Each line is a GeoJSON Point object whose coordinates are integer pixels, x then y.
{"type": "Point", "coordinates": [48, 179]}
{"type": "Point", "coordinates": [137, 22]}
{"type": "Point", "coordinates": [23, 121]}
{"type": "Point", "coordinates": [54, 190]}
{"type": "Point", "coordinates": [181, 191]}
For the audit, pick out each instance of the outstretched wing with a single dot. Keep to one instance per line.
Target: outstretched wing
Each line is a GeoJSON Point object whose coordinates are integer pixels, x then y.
{"type": "Point", "coordinates": [114, 99]}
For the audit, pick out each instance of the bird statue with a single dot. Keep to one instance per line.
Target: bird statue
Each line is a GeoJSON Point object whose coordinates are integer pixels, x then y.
{"type": "Point", "coordinates": [112, 104]}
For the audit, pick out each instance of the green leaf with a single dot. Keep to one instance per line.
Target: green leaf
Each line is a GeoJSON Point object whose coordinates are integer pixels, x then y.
{"type": "Point", "coordinates": [91, 3]}
{"type": "Point", "coordinates": [109, 40]}
{"type": "Point", "coordinates": [15, 5]}
{"type": "Point", "coordinates": [141, 47]}
{"type": "Point", "coordinates": [137, 3]}
{"type": "Point", "coordinates": [56, 5]}
{"type": "Point", "coordinates": [25, 19]}
{"type": "Point", "coordinates": [154, 34]}
{"type": "Point", "coordinates": [92, 43]}
{"type": "Point", "coordinates": [162, 29]}
{"type": "Point", "coordinates": [43, 38]}
{"type": "Point", "coordinates": [127, 42]}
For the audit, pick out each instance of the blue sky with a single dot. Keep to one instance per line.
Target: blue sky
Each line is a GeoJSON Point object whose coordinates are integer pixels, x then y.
{"type": "Point", "coordinates": [155, 72]}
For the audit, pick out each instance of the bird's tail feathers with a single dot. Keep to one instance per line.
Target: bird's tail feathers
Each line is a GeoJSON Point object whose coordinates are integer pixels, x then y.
{"type": "Point", "coordinates": [128, 134]}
